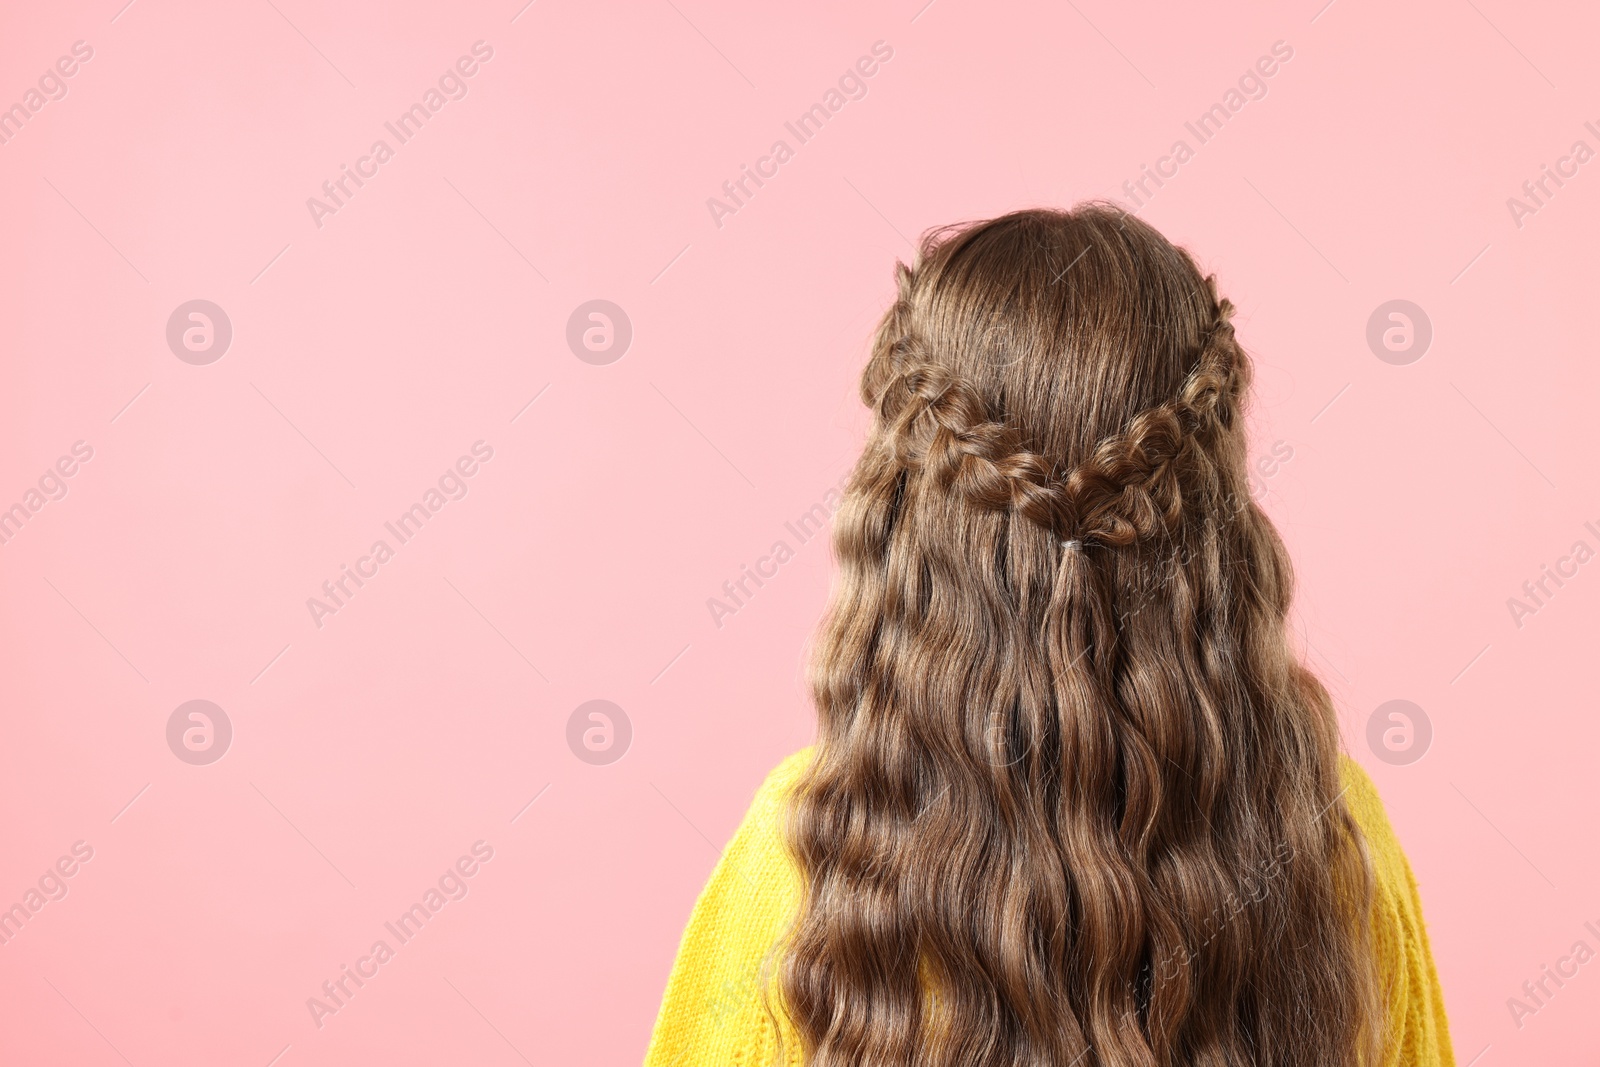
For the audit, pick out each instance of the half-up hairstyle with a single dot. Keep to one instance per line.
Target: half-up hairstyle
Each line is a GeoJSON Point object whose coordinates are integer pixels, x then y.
{"type": "Point", "coordinates": [1074, 801]}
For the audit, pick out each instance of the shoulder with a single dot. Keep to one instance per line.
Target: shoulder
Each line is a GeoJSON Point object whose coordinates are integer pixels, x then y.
{"type": "Point", "coordinates": [758, 855]}
{"type": "Point", "coordinates": [781, 780]}
{"type": "Point", "coordinates": [1366, 807]}
{"type": "Point", "coordinates": [1396, 884]}
{"type": "Point", "coordinates": [1400, 936]}
{"type": "Point", "coordinates": [753, 881]}
{"type": "Point", "coordinates": [713, 1010]}
{"type": "Point", "coordinates": [1390, 869]}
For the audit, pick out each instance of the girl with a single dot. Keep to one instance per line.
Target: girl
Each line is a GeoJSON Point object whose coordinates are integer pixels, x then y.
{"type": "Point", "coordinates": [1074, 800]}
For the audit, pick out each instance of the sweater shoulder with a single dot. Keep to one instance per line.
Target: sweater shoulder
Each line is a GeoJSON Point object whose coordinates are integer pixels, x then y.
{"type": "Point", "coordinates": [1366, 807]}
{"type": "Point", "coordinates": [781, 780]}
{"type": "Point", "coordinates": [1420, 1031]}
{"type": "Point", "coordinates": [715, 1008]}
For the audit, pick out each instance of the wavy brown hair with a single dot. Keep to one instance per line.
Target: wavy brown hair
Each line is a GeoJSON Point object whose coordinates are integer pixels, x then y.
{"type": "Point", "coordinates": [1074, 801]}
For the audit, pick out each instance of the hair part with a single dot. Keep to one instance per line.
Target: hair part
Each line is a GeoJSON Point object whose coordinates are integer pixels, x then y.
{"type": "Point", "coordinates": [1074, 799]}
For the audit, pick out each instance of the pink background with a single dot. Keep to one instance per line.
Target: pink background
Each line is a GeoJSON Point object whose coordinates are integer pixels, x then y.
{"type": "Point", "coordinates": [368, 354]}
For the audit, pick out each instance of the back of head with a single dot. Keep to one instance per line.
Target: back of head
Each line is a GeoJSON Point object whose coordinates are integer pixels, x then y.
{"type": "Point", "coordinates": [1075, 800]}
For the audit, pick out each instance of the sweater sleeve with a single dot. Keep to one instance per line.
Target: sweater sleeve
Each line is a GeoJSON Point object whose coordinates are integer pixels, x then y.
{"type": "Point", "coordinates": [1419, 1033]}
{"type": "Point", "coordinates": [714, 1012]}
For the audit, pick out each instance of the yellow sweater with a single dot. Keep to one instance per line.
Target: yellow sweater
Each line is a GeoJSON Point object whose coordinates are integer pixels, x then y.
{"type": "Point", "coordinates": [712, 1014]}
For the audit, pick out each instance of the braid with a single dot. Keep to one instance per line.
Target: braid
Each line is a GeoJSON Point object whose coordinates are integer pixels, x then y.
{"type": "Point", "coordinates": [1132, 486]}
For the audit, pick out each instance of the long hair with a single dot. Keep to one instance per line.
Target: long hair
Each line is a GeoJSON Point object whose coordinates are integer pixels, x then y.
{"type": "Point", "coordinates": [1074, 801]}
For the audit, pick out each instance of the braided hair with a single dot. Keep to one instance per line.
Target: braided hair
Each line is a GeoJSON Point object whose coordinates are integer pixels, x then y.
{"type": "Point", "coordinates": [1061, 727]}
{"type": "Point", "coordinates": [1128, 489]}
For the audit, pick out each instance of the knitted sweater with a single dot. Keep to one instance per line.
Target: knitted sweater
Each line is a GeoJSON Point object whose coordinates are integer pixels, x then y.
{"type": "Point", "coordinates": [712, 1014]}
